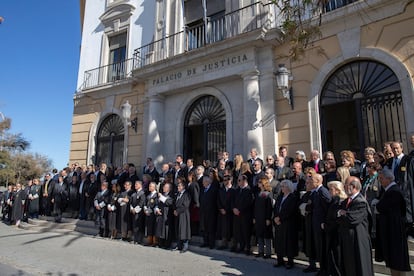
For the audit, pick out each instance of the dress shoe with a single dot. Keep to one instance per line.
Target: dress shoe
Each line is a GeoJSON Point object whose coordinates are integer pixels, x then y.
{"type": "Point", "coordinates": [310, 269]}
{"type": "Point", "coordinates": [266, 256]}
{"type": "Point", "coordinates": [247, 252]}
{"type": "Point", "coordinates": [203, 245]}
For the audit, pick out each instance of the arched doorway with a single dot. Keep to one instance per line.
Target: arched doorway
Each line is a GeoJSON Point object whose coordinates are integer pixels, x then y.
{"type": "Point", "coordinates": [361, 105]}
{"type": "Point", "coordinates": [110, 141]}
{"type": "Point", "coordinates": [204, 130]}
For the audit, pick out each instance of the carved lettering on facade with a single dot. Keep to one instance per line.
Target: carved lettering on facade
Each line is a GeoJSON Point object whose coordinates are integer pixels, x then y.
{"type": "Point", "coordinates": [203, 68]}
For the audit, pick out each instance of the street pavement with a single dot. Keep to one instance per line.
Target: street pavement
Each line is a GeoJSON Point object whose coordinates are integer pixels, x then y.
{"type": "Point", "coordinates": [28, 252]}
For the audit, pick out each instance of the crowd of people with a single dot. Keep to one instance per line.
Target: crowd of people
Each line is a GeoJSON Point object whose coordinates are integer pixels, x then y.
{"type": "Point", "coordinates": [333, 211]}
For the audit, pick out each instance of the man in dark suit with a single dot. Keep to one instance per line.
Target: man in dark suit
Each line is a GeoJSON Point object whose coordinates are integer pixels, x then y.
{"type": "Point", "coordinates": [46, 191]}
{"type": "Point", "coordinates": [281, 171]}
{"type": "Point", "coordinates": [189, 168]}
{"type": "Point", "coordinates": [288, 161]}
{"type": "Point", "coordinates": [257, 174]}
{"type": "Point", "coordinates": [229, 163]}
{"type": "Point", "coordinates": [208, 212]}
{"type": "Point", "coordinates": [320, 198]}
{"type": "Point", "coordinates": [102, 199]}
{"type": "Point", "coordinates": [392, 235]}
{"type": "Point", "coordinates": [253, 157]}
{"type": "Point", "coordinates": [59, 198]}
{"type": "Point", "coordinates": [316, 163]}
{"type": "Point", "coordinates": [403, 169]}
{"type": "Point", "coordinates": [243, 215]}
{"type": "Point", "coordinates": [354, 237]}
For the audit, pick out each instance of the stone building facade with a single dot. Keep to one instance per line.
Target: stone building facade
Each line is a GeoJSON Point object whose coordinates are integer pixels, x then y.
{"type": "Point", "coordinates": [200, 78]}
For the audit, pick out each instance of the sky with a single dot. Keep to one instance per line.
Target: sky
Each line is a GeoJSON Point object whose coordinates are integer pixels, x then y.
{"type": "Point", "coordinates": [39, 57]}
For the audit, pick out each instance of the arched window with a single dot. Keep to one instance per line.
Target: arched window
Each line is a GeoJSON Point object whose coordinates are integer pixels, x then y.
{"type": "Point", "coordinates": [110, 141]}
{"type": "Point", "coordinates": [361, 105]}
{"type": "Point", "coordinates": [205, 130]}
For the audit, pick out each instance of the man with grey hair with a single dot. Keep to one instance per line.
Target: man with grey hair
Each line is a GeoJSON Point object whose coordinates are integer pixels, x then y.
{"type": "Point", "coordinates": [392, 236]}
{"type": "Point", "coordinates": [354, 237]}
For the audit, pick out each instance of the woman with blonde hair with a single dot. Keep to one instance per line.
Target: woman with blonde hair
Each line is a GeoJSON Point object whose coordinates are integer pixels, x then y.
{"type": "Point", "coordinates": [342, 173]}
{"type": "Point", "coordinates": [262, 218]}
{"type": "Point", "coordinates": [336, 189]}
{"type": "Point", "coordinates": [245, 170]}
{"type": "Point", "coordinates": [348, 160]}
{"type": "Point", "coordinates": [238, 161]}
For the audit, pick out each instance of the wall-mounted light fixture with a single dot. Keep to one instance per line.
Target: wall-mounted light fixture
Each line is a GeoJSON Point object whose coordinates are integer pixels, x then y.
{"type": "Point", "coordinates": [283, 76]}
{"type": "Point", "coordinates": [126, 113]}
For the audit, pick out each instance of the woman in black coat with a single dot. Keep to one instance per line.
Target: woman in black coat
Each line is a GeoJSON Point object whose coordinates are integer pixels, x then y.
{"type": "Point", "coordinates": [262, 218]}
{"type": "Point", "coordinates": [286, 230]}
{"type": "Point", "coordinates": [336, 189]}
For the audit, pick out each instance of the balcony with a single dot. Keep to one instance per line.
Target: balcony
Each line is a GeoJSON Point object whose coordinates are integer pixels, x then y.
{"type": "Point", "coordinates": [246, 19]}
{"type": "Point", "coordinates": [111, 73]}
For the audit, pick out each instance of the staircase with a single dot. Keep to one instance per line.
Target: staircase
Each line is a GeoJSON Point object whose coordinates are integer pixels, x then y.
{"type": "Point", "coordinates": [70, 225]}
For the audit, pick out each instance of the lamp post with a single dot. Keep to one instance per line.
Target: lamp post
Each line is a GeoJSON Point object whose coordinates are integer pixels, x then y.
{"type": "Point", "coordinates": [126, 114]}
{"type": "Point", "coordinates": [283, 76]}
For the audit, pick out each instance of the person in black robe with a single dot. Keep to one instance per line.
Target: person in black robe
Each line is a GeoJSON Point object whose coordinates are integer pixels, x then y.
{"type": "Point", "coordinates": [90, 192]}
{"type": "Point", "coordinates": [47, 189]}
{"type": "Point", "coordinates": [262, 218]}
{"type": "Point", "coordinates": [286, 230]}
{"type": "Point", "coordinates": [354, 236]}
{"type": "Point", "coordinates": [243, 215]}
{"type": "Point", "coordinates": [165, 217]}
{"type": "Point", "coordinates": [59, 198]}
{"type": "Point", "coordinates": [113, 211]}
{"type": "Point", "coordinates": [208, 212]}
{"type": "Point", "coordinates": [194, 190]}
{"type": "Point", "coordinates": [125, 213]}
{"type": "Point", "coordinates": [6, 204]}
{"type": "Point", "coordinates": [137, 205]}
{"type": "Point", "coordinates": [336, 189]}
{"type": "Point", "coordinates": [151, 203]}
{"type": "Point", "coordinates": [392, 237]}
{"type": "Point", "coordinates": [320, 201]}
{"type": "Point", "coordinates": [225, 197]}
{"type": "Point", "coordinates": [74, 196]}
{"type": "Point", "coordinates": [182, 217]}
{"type": "Point", "coordinates": [102, 199]}
{"type": "Point", "coordinates": [17, 202]}
{"type": "Point", "coordinates": [34, 199]}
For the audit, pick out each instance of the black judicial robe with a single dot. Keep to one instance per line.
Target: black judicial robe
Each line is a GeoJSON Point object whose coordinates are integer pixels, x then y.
{"type": "Point", "coordinates": [125, 213]}
{"type": "Point", "coordinates": [164, 221]}
{"type": "Point", "coordinates": [182, 206]}
{"type": "Point", "coordinates": [392, 236]}
{"type": "Point", "coordinates": [138, 199]}
{"type": "Point", "coordinates": [18, 205]}
{"type": "Point", "coordinates": [354, 238]}
{"type": "Point", "coordinates": [286, 234]}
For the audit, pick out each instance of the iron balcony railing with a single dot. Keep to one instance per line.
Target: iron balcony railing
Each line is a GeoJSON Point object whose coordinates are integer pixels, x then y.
{"type": "Point", "coordinates": [246, 19]}
{"type": "Point", "coordinates": [108, 74]}
{"type": "Point", "coordinates": [237, 22]}
{"type": "Point", "coordinates": [336, 4]}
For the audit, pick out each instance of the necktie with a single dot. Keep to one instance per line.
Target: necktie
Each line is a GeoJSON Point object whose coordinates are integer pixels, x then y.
{"type": "Point", "coordinates": [348, 202]}
{"type": "Point", "coordinates": [396, 163]}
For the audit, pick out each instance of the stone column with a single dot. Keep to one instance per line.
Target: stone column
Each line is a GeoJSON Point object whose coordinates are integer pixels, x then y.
{"type": "Point", "coordinates": [155, 129]}
{"type": "Point", "coordinates": [268, 123]}
{"type": "Point", "coordinates": [252, 113]}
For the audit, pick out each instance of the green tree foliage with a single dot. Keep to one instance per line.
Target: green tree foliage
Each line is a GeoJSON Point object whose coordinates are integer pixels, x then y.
{"type": "Point", "coordinates": [16, 165]}
{"type": "Point", "coordinates": [300, 24]}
